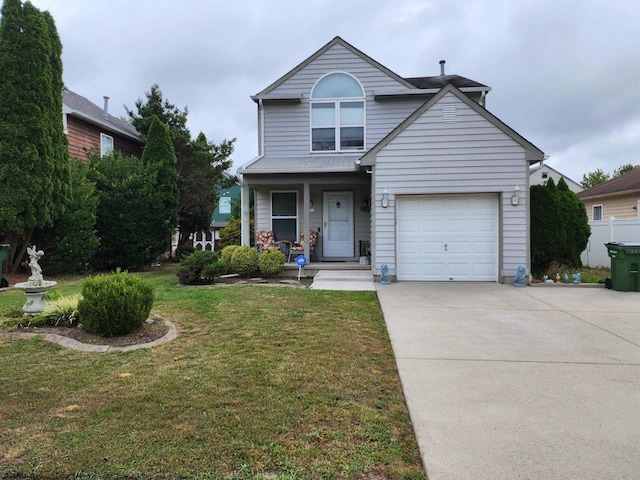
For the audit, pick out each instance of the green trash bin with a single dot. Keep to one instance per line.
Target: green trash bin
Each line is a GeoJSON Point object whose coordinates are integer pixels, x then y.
{"type": "Point", "coordinates": [4, 248]}
{"type": "Point", "coordinates": [625, 258]}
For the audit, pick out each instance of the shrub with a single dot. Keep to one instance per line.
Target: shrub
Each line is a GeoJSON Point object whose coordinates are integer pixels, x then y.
{"type": "Point", "coordinates": [244, 261]}
{"type": "Point", "coordinates": [230, 235]}
{"type": "Point", "coordinates": [227, 254]}
{"type": "Point", "coordinates": [192, 266]}
{"type": "Point", "coordinates": [182, 251]}
{"type": "Point", "coordinates": [62, 312]}
{"type": "Point", "coordinates": [115, 304]}
{"type": "Point", "coordinates": [214, 270]}
{"type": "Point", "coordinates": [271, 262]}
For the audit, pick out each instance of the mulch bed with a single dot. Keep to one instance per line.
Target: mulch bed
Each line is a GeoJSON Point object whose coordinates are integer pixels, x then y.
{"type": "Point", "coordinates": [147, 333]}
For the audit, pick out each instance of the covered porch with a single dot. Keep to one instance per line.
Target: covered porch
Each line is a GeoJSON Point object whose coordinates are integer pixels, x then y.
{"type": "Point", "coordinates": [335, 205]}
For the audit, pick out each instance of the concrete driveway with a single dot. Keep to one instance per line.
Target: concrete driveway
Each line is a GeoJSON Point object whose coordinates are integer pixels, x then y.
{"type": "Point", "coordinates": [509, 383]}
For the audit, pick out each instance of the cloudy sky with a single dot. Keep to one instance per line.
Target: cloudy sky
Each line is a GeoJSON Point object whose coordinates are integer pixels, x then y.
{"type": "Point", "coordinates": [564, 73]}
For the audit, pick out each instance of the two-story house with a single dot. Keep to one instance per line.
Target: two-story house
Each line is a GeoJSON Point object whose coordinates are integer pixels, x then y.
{"type": "Point", "coordinates": [88, 126]}
{"type": "Point", "coordinates": [415, 169]}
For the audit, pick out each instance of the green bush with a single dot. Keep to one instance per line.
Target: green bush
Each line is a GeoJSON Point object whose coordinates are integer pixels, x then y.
{"type": "Point", "coordinates": [182, 251]}
{"type": "Point", "coordinates": [559, 226]}
{"type": "Point", "coordinates": [191, 268]}
{"type": "Point", "coordinates": [115, 304]}
{"type": "Point", "coordinates": [271, 262]}
{"type": "Point", "coordinates": [230, 235]}
{"type": "Point", "coordinates": [244, 261]}
{"type": "Point", "coordinates": [227, 254]}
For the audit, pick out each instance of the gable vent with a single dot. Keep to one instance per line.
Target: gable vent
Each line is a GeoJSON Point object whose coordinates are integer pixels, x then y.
{"type": "Point", "coordinates": [449, 113]}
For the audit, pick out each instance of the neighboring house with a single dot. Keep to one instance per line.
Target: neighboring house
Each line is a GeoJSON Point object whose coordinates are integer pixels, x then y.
{"type": "Point", "coordinates": [220, 218]}
{"type": "Point", "coordinates": [618, 197]}
{"type": "Point", "coordinates": [539, 175]}
{"type": "Point", "coordinates": [88, 126]}
{"type": "Point", "coordinates": [414, 169]}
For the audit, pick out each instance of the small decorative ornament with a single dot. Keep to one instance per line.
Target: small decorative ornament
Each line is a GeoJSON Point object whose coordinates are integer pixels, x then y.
{"type": "Point", "coordinates": [518, 280]}
{"type": "Point", "coordinates": [384, 274]}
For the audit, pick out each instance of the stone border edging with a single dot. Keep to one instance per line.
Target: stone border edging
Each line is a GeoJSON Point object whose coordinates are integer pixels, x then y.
{"type": "Point", "coordinates": [87, 347]}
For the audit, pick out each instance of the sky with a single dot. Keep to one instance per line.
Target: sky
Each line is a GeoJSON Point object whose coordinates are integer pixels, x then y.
{"type": "Point", "coordinates": [565, 74]}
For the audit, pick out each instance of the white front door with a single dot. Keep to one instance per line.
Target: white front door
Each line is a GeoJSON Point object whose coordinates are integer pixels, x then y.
{"type": "Point", "coordinates": [337, 216]}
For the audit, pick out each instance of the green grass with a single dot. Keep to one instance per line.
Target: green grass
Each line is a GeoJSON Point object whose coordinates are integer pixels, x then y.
{"type": "Point", "coordinates": [263, 382]}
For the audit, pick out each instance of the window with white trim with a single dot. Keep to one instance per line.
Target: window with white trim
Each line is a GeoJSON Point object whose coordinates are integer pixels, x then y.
{"type": "Point", "coordinates": [284, 215]}
{"type": "Point", "coordinates": [337, 114]}
{"type": "Point", "coordinates": [106, 144]}
{"type": "Point", "coordinates": [597, 212]}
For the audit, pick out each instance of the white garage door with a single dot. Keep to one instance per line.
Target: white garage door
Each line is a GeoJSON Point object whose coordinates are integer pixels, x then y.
{"type": "Point", "coordinates": [447, 238]}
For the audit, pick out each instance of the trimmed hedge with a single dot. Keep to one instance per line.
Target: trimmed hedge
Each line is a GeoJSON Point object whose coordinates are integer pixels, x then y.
{"type": "Point", "coordinates": [244, 261]}
{"type": "Point", "coordinates": [271, 262]}
{"type": "Point", "coordinates": [115, 304]}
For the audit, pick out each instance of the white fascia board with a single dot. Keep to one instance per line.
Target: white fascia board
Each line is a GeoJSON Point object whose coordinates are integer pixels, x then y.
{"type": "Point", "coordinates": [424, 91]}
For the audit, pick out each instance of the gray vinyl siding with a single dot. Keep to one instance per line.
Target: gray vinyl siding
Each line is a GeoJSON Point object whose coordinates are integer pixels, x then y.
{"type": "Point", "coordinates": [468, 156]}
{"type": "Point", "coordinates": [287, 125]}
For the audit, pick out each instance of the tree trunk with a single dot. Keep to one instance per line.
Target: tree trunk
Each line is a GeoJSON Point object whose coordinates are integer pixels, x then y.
{"type": "Point", "coordinates": [18, 247]}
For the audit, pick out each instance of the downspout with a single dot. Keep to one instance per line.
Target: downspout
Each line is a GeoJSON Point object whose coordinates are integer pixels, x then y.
{"type": "Point", "coordinates": [261, 108]}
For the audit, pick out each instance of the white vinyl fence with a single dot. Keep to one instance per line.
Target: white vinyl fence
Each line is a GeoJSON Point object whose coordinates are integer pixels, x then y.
{"type": "Point", "coordinates": [605, 231]}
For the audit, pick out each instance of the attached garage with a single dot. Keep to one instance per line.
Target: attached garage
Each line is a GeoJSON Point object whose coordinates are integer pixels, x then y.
{"type": "Point", "coordinates": [447, 237]}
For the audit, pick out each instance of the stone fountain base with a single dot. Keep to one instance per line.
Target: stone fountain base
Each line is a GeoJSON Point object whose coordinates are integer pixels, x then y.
{"type": "Point", "coordinates": [35, 293]}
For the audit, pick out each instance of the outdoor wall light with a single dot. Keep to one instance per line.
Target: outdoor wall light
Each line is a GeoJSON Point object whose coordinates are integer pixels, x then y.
{"type": "Point", "coordinates": [515, 198]}
{"type": "Point", "coordinates": [385, 198]}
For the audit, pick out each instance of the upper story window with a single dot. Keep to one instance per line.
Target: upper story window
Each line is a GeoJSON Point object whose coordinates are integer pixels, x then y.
{"type": "Point", "coordinates": [337, 114]}
{"type": "Point", "coordinates": [106, 144]}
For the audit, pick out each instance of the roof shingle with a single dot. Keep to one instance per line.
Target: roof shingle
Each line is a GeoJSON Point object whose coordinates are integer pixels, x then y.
{"type": "Point", "coordinates": [628, 182]}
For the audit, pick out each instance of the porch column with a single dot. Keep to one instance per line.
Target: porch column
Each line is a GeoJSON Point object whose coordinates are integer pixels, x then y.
{"type": "Point", "coordinates": [306, 197]}
{"type": "Point", "coordinates": [245, 238]}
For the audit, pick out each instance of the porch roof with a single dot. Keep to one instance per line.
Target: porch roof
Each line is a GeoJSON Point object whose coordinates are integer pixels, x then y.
{"type": "Point", "coordinates": [302, 164]}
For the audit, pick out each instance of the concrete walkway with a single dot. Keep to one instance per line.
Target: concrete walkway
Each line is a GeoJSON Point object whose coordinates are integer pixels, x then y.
{"type": "Point", "coordinates": [343, 280]}
{"type": "Point", "coordinates": [511, 383]}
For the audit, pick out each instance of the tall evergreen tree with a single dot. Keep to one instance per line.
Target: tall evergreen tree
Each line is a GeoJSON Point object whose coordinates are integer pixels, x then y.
{"type": "Point", "coordinates": [159, 157]}
{"type": "Point", "coordinates": [200, 174]}
{"type": "Point", "coordinates": [34, 171]}
{"type": "Point", "coordinates": [559, 226]}
{"type": "Point", "coordinates": [200, 163]}
{"type": "Point", "coordinates": [127, 213]}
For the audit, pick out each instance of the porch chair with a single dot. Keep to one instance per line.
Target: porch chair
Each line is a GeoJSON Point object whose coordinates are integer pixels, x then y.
{"type": "Point", "coordinates": [265, 240]}
{"type": "Point", "coordinates": [298, 249]}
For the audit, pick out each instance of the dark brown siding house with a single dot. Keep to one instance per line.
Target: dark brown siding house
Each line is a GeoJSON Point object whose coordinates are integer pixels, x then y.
{"type": "Point", "coordinates": [87, 126]}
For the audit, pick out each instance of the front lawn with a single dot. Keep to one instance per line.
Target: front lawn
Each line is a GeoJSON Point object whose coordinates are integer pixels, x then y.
{"type": "Point", "coordinates": [262, 382]}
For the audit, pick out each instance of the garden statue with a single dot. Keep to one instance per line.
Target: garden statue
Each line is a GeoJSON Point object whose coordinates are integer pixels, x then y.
{"type": "Point", "coordinates": [577, 278]}
{"type": "Point", "coordinates": [35, 288]}
{"type": "Point", "coordinates": [518, 280]}
{"type": "Point", "coordinates": [566, 278]}
{"type": "Point", "coordinates": [558, 278]}
{"type": "Point", "coordinates": [384, 274]}
{"type": "Point", "coordinates": [36, 270]}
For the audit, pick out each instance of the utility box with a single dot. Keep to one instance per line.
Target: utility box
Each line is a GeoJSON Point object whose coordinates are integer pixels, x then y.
{"type": "Point", "coordinates": [625, 258]}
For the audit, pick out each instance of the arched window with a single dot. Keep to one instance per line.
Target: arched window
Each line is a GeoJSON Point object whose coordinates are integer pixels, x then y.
{"type": "Point", "coordinates": [337, 114]}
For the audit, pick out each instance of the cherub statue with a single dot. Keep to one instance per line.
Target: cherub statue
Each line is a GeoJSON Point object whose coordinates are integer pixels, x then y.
{"type": "Point", "coordinates": [36, 270]}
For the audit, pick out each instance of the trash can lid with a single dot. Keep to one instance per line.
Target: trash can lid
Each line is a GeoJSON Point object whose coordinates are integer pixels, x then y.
{"type": "Point", "coordinates": [624, 244]}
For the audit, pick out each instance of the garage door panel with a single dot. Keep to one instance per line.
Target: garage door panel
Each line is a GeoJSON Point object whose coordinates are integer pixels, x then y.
{"type": "Point", "coordinates": [444, 238]}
